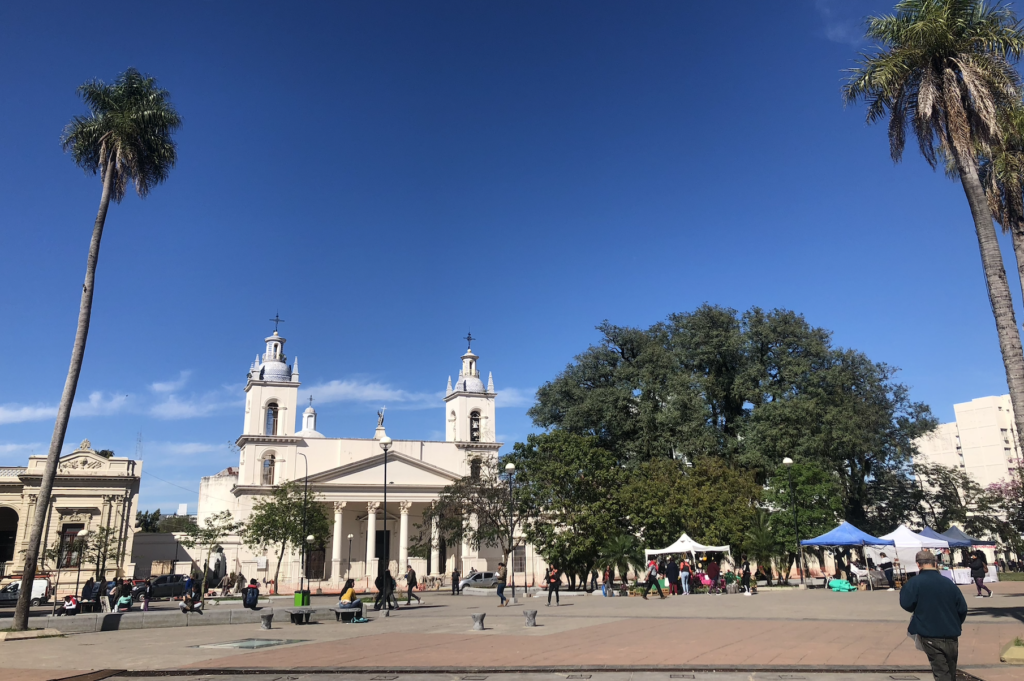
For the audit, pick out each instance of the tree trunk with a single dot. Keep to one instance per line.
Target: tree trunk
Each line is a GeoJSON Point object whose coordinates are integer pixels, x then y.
{"type": "Point", "coordinates": [277, 570]}
{"type": "Point", "coordinates": [64, 409]}
{"type": "Point", "coordinates": [998, 289]}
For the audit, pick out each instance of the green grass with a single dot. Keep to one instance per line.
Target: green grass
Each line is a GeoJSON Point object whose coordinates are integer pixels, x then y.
{"type": "Point", "coordinates": [1011, 576]}
{"type": "Point", "coordinates": [1018, 642]}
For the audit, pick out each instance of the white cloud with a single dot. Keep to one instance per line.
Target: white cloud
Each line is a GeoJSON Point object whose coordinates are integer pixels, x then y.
{"type": "Point", "coordinates": [380, 393]}
{"type": "Point", "coordinates": [18, 413]}
{"type": "Point", "coordinates": [96, 405]}
{"type": "Point", "coordinates": [171, 386]}
{"type": "Point", "coordinates": [183, 448]}
{"type": "Point", "coordinates": [99, 406]}
{"type": "Point", "coordinates": [515, 397]}
{"type": "Point", "coordinates": [173, 408]}
{"type": "Point", "coordinates": [843, 20]}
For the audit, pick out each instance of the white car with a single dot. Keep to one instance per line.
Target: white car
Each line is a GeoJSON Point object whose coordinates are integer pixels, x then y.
{"type": "Point", "coordinates": [40, 592]}
{"type": "Point", "coordinates": [479, 579]}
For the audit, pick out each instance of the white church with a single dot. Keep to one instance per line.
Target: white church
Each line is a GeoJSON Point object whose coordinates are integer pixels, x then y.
{"type": "Point", "coordinates": [347, 474]}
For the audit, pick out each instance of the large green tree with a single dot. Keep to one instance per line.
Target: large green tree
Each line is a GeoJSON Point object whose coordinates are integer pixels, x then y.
{"type": "Point", "coordinates": [285, 518]}
{"type": "Point", "coordinates": [945, 69]}
{"type": "Point", "coordinates": [749, 390]}
{"type": "Point", "coordinates": [569, 487]}
{"type": "Point", "coordinates": [127, 138]}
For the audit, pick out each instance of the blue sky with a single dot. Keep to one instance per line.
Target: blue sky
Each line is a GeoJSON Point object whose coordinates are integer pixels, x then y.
{"type": "Point", "coordinates": [388, 175]}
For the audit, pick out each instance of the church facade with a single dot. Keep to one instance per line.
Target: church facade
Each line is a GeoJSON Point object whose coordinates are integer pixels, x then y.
{"type": "Point", "coordinates": [278, 445]}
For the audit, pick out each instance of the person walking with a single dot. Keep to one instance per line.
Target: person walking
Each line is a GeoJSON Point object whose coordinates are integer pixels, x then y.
{"type": "Point", "coordinates": [501, 575]}
{"type": "Point", "coordinates": [885, 565]}
{"type": "Point", "coordinates": [553, 577]}
{"type": "Point", "coordinates": [745, 578]}
{"type": "Point", "coordinates": [652, 579]}
{"type": "Point", "coordinates": [939, 611]}
{"type": "Point", "coordinates": [672, 575]}
{"type": "Point", "coordinates": [147, 594]}
{"type": "Point", "coordinates": [456, 576]}
{"type": "Point", "coordinates": [606, 584]}
{"type": "Point", "coordinates": [685, 572]}
{"type": "Point", "coordinates": [979, 570]}
{"type": "Point", "coordinates": [714, 571]}
{"type": "Point", "coordinates": [410, 584]}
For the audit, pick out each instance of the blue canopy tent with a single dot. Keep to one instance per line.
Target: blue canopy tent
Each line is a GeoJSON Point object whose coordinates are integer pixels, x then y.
{"type": "Point", "coordinates": [848, 535]}
{"type": "Point", "coordinates": [953, 542]}
{"type": "Point", "coordinates": [956, 533]}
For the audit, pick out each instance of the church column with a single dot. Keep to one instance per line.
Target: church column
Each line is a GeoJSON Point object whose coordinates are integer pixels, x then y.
{"type": "Point", "coordinates": [371, 532]}
{"type": "Point", "coordinates": [465, 549]}
{"type": "Point", "coordinates": [339, 506]}
{"type": "Point", "coordinates": [403, 537]}
{"type": "Point", "coordinates": [435, 549]}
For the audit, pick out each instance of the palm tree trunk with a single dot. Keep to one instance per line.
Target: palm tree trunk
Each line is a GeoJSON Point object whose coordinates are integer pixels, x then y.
{"type": "Point", "coordinates": [998, 288]}
{"type": "Point", "coordinates": [64, 409]}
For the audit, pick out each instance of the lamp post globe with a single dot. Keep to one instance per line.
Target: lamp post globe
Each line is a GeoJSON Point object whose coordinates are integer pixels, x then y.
{"type": "Point", "coordinates": [787, 461]}
{"type": "Point", "coordinates": [510, 467]}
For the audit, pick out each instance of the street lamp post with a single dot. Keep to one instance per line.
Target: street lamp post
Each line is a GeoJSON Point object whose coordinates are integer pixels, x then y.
{"type": "Point", "coordinates": [510, 468]}
{"type": "Point", "coordinates": [385, 444]}
{"type": "Point", "coordinates": [305, 502]}
{"type": "Point", "coordinates": [800, 563]}
{"type": "Point", "coordinates": [82, 534]}
{"type": "Point", "coordinates": [348, 570]}
{"type": "Point", "coordinates": [309, 543]}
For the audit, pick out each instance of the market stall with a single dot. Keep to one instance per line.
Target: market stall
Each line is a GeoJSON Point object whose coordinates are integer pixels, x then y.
{"type": "Point", "coordinates": [907, 543]}
{"type": "Point", "coordinates": [846, 536]}
{"type": "Point", "coordinates": [686, 545]}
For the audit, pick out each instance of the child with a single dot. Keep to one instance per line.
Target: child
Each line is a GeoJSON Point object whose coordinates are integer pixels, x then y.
{"type": "Point", "coordinates": [251, 595]}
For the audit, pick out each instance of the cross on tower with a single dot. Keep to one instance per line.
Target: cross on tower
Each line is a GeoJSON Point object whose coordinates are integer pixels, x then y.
{"type": "Point", "coordinates": [277, 320]}
{"type": "Point", "coordinates": [311, 401]}
{"type": "Point", "coordinates": [470, 339]}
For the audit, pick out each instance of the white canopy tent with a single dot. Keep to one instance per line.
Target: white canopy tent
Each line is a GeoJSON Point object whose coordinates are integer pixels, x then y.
{"type": "Point", "coordinates": [908, 543]}
{"type": "Point", "coordinates": [685, 545]}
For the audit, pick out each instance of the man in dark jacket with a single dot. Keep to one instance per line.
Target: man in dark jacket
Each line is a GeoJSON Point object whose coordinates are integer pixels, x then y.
{"type": "Point", "coordinates": [939, 611]}
{"type": "Point", "coordinates": [979, 570]}
{"type": "Point", "coordinates": [672, 575]}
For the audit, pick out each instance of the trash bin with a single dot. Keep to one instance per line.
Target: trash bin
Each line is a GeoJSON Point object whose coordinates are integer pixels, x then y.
{"type": "Point", "coordinates": [301, 598]}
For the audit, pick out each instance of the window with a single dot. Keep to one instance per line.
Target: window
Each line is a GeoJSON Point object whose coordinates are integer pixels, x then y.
{"type": "Point", "coordinates": [271, 419]}
{"type": "Point", "coordinates": [519, 559]}
{"type": "Point", "coordinates": [1006, 435]}
{"type": "Point", "coordinates": [474, 427]}
{"type": "Point", "coordinates": [268, 470]}
{"type": "Point", "coordinates": [70, 547]}
{"type": "Point", "coordinates": [474, 469]}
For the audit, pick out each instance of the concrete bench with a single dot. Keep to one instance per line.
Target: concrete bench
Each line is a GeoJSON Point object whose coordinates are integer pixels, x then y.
{"type": "Point", "coordinates": [299, 615]}
{"type": "Point", "coordinates": [343, 614]}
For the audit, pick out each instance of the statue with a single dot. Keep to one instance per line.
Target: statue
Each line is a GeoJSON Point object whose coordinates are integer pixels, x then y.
{"type": "Point", "coordinates": [380, 417]}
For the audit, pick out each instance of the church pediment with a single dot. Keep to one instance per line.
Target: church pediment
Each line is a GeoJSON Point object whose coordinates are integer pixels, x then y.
{"type": "Point", "coordinates": [403, 471]}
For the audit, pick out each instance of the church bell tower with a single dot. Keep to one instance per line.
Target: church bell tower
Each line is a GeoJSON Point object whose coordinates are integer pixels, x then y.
{"type": "Point", "coordinates": [469, 405]}
{"type": "Point", "coordinates": [272, 391]}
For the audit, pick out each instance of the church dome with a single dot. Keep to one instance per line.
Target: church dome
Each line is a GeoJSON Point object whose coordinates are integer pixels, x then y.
{"type": "Point", "coordinates": [276, 371]}
{"type": "Point", "coordinates": [470, 384]}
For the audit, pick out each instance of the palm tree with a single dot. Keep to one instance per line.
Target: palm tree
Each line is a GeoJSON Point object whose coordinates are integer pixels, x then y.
{"type": "Point", "coordinates": [760, 543]}
{"type": "Point", "coordinates": [945, 67]}
{"type": "Point", "coordinates": [621, 552]}
{"type": "Point", "coordinates": [125, 137]}
{"type": "Point", "coordinates": [1002, 175]}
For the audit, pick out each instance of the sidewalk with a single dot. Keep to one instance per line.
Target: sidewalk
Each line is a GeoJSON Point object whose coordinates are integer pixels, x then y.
{"type": "Point", "coordinates": [795, 629]}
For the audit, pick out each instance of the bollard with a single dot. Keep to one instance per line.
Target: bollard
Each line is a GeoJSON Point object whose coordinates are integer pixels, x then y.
{"type": "Point", "coordinates": [266, 619]}
{"type": "Point", "coordinates": [478, 621]}
{"type": "Point", "coordinates": [531, 617]}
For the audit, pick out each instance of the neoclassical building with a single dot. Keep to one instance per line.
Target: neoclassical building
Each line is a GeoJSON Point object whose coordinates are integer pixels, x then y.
{"type": "Point", "coordinates": [92, 491]}
{"type": "Point", "coordinates": [278, 444]}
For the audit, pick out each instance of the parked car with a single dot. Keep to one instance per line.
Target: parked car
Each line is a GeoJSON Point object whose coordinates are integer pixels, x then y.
{"type": "Point", "coordinates": [479, 579]}
{"type": "Point", "coordinates": [40, 592]}
{"type": "Point", "coordinates": [164, 586]}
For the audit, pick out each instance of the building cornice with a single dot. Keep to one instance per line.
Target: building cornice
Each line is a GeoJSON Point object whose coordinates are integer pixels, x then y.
{"type": "Point", "coordinates": [268, 440]}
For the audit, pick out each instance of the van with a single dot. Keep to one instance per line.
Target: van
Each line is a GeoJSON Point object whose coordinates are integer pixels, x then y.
{"type": "Point", "coordinates": [40, 592]}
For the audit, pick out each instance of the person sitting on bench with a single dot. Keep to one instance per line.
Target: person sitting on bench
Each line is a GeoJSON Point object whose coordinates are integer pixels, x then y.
{"type": "Point", "coordinates": [348, 595]}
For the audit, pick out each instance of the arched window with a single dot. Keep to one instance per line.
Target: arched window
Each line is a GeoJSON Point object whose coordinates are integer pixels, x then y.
{"type": "Point", "coordinates": [271, 419]}
{"type": "Point", "coordinates": [474, 469]}
{"type": "Point", "coordinates": [268, 470]}
{"type": "Point", "coordinates": [474, 426]}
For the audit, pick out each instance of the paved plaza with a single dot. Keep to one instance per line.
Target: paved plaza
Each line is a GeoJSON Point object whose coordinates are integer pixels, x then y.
{"type": "Point", "coordinates": [815, 634]}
